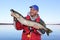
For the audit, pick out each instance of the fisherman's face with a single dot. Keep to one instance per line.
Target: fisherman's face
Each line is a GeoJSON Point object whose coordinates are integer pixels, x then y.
{"type": "Point", "coordinates": [33, 12]}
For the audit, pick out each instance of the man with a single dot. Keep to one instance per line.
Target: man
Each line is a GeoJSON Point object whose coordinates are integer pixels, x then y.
{"type": "Point", "coordinates": [30, 33]}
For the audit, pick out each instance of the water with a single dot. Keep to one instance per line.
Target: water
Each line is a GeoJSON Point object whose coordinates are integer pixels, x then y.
{"type": "Point", "coordinates": [55, 35]}
{"type": "Point", "coordinates": [8, 32]}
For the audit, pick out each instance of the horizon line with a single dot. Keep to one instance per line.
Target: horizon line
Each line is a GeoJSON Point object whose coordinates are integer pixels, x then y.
{"type": "Point", "coordinates": [13, 24]}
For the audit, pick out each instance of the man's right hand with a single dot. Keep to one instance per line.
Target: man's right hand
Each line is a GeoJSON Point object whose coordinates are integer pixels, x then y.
{"type": "Point", "coordinates": [15, 19]}
{"type": "Point", "coordinates": [12, 14]}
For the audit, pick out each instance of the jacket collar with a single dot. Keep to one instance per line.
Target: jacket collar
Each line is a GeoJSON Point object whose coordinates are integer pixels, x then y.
{"type": "Point", "coordinates": [37, 18]}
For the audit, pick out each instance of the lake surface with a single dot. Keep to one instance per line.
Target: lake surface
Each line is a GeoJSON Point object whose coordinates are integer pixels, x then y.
{"type": "Point", "coordinates": [8, 32]}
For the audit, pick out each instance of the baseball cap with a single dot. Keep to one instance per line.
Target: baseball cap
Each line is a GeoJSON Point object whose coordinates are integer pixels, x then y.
{"type": "Point", "coordinates": [35, 7]}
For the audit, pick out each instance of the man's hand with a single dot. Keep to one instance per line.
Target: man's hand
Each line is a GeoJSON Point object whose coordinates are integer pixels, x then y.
{"type": "Point", "coordinates": [15, 19]}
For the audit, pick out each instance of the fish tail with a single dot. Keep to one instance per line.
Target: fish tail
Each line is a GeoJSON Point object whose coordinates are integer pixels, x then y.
{"type": "Point", "coordinates": [48, 31]}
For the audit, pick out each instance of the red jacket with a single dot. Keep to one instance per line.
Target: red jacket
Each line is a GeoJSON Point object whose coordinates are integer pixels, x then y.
{"type": "Point", "coordinates": [27, 33]}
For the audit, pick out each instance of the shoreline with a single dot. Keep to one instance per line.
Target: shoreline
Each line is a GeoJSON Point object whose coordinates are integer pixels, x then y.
{"type": "Point", "coordinates": [13, 24]}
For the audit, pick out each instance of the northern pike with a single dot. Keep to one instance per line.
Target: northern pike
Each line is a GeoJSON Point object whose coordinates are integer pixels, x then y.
{"type": "Point", "coordinates": [29, 23]}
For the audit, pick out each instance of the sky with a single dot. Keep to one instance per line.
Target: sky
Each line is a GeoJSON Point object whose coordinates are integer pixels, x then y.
{"type": "Point", "coordinates": [49, 10]}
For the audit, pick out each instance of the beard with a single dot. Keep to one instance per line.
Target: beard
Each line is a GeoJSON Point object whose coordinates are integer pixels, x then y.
{"type": "Point", "coordinates": [33, 14]}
